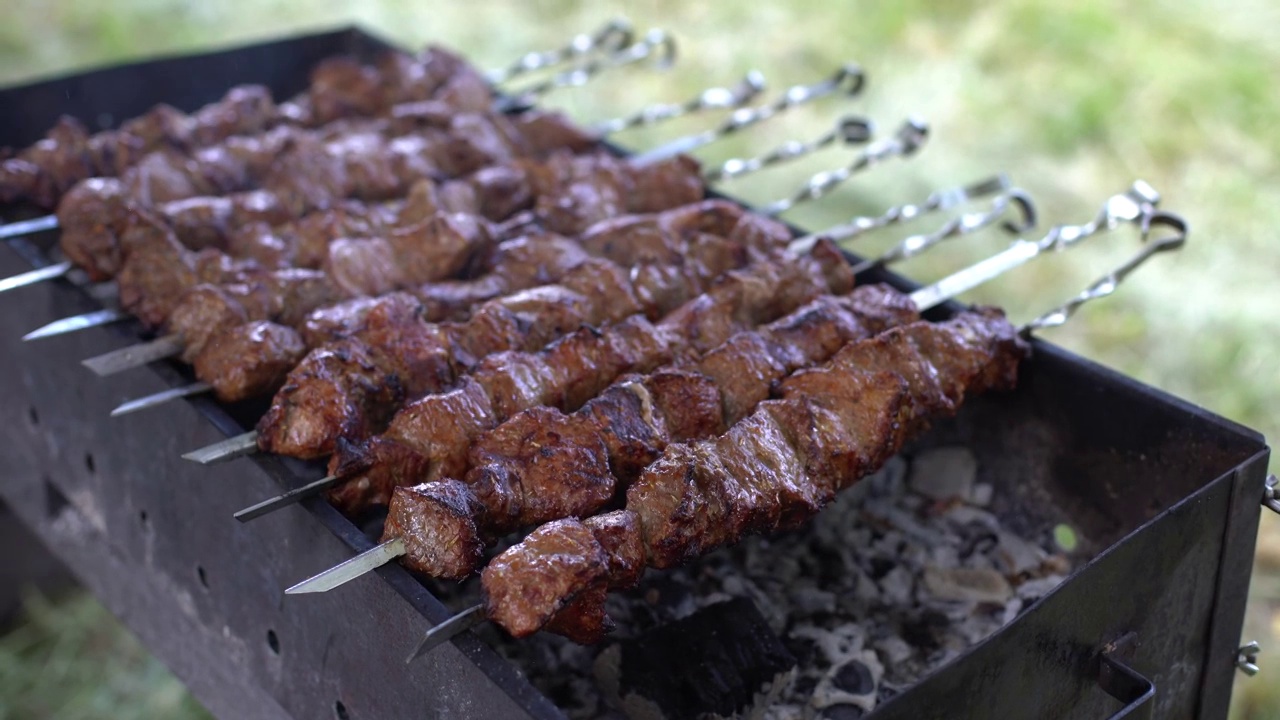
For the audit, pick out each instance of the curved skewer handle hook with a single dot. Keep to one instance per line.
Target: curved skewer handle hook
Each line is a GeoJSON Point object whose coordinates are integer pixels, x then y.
{"type": "Point", "coordinates": [610, 38]}
{"type": "Point", "coordinates": [1161, 232]}
{"type": "Point", "coordinates": [656, 45]}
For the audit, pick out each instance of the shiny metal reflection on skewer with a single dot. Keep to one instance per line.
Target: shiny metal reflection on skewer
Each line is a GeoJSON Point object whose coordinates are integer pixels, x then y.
{"type": "Point", "coordinates": [75, 323]}
{"type": "Point", "coordinates": [233, 447]}
{"type": "Point", "coordinates": [31, 277]}
{"type": "Point", "coordinates": [160, 398]}
{"type": "Point", "coordinates": [343, 573]}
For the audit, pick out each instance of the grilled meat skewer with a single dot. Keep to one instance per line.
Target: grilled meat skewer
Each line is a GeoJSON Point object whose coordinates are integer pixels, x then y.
{"type": "Point", "coordinates": [542, 464]}
{"type": "Point", "coordinates": [297, 177]}
{"type": "Point", "coordinates": [340, 88]}
{"type": "Point", "coordinates": [320, 405]}
{"type": "Point", "coordinates": [829, 427]}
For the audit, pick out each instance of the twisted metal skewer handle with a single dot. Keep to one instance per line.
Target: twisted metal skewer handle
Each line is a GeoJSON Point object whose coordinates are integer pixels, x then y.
{"type": "Point", "coordinates": [849, 130]}
{"type": "Point", "coordinates": [657, 45]}
{"type": "Point", "coordinates": [612, 37]}
{"type": "Point", "coordinates": [909, 138]}
{"type": "Point", "coordinates": [716, 98]}
{"type": "Point", "coordinates": [848, 78]}
{"type": "Point", "coordinates": [963, 224]}
{"type": "Point", "coordinates": [937, 200]}
{"type": "Point", "coordinates": [1175, 231]}
{"type": "Point", "coordinates": [1136, 205]}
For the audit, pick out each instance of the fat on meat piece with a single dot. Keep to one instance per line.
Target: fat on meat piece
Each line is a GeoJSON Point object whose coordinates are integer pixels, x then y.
{"type": "Point", "coordinates": [567, 556]}
{"type": "Point", "coordinates": [275, 350]}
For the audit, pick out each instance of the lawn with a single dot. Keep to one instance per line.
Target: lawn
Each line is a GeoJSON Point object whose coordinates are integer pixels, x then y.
{"type": "Point", "coordinates": [1073, 100]}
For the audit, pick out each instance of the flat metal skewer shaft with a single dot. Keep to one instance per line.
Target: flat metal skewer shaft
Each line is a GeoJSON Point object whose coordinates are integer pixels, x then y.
{"type": "Point", "coordinates": [367, 561]}
{"type": "Point", "coordinates": [233, 447]}
{"type": "Point", "coordinates": [160, 398]}
{"type": "Point", "coordinates": [284, 499]}
{"type": "Point", "coordinates": [28, 227]}
{"type": "Point", "coordinates": [134, 356]}
{"type": "Point", "coordinates": [76, 323]}
{"type": "Point", "coordinates": [31, 277]}
{"type": "Point", "coordinates": [449, 629]}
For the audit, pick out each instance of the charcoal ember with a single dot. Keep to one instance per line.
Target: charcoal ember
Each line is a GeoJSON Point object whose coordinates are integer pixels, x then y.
{"type": "Point", "coordinates": [944, 473]}
{"type": "Point", "coordinates": [967, 584]}
{"type": "Point", "coordinates": [848, 689]}
{"type": "Point", "coordinates": [722, 661]}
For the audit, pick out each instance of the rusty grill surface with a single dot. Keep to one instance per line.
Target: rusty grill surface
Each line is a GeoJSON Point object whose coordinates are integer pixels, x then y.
{"type": "Point", "coordinates": [1166, 494]}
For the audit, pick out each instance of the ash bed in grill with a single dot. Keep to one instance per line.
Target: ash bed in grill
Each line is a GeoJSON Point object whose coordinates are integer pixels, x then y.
{"type": "Point", "coordinates": [1163, 495]}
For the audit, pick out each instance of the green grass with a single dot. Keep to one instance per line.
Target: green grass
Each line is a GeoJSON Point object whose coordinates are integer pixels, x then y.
{"type": "Point", "coordinates": [1074, 100]}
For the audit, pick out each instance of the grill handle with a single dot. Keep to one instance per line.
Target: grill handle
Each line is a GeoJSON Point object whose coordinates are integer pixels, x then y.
{"type": "Point", "coordinates": [1125, 684]}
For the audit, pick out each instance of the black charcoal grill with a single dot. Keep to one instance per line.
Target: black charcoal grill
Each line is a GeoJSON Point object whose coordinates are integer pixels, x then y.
{"type": "Point", "coordinates": [1149, 627]}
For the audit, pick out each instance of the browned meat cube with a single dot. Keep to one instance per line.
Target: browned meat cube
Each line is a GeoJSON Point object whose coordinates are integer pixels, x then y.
{"type": "Point", "coordinates": [435, 523]}
{"type": "Point", "coordinates": [555, 465]}
{"type": "Point", "coordinates": [249, 360]}
{"type": "Point", "coordinates": [525, 587]}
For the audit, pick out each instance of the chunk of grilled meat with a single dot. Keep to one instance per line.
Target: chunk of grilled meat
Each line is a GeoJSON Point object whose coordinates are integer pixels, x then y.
{"type": "Point", "coordinates": [399, 88]}
{"type": "Point", "coordinates": [431, 438]}
{"type": "Point", "coordinates": [830, 427]}
{"type": "Point", "coordinates": [517, 471]}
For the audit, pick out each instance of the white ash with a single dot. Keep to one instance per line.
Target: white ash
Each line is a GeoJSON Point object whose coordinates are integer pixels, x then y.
{"type": "Point", "coordinates": [903, 573]}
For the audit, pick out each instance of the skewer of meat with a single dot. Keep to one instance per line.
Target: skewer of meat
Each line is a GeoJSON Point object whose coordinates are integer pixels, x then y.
{"type": "Point", "coordinates": [429, 438]}
{"type": "Point", "coordinates": [880, 150]}
{"type": "Point", "coordinates": [440, 527]}
{"type": "Point", "coordinates": [569, 208]}
{"type": "Point", "coordinates": [828, 428]}
{"type": "Point", "coordinates": [340, 87]}
{"type": "Point", "coordinates": [848, 78]}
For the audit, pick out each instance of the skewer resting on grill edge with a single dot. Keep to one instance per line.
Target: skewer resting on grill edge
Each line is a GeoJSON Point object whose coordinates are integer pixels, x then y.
{"type": "Point", "coordinates": [904, 144]}
{"type": "Point", "coordinates": [1133, 207]}
{"type": "Point", "coordinates": [965, 224]}
{"type": "Point", "coordinates": [849, 77]}
{"type": "Point", "coordinates": [234, 447]}
{"type": "Point", "coordinates": [850, 131]}
{"type": "Point", "coordinates": [1173, 232]}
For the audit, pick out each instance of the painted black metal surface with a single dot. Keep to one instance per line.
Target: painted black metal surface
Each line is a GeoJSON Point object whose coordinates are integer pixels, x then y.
{"type": "Point", "coordinates": [1164, 492]}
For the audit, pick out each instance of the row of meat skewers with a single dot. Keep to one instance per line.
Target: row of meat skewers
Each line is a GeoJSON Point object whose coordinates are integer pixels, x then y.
{"type": "Point", "coordinates": [487, 324]}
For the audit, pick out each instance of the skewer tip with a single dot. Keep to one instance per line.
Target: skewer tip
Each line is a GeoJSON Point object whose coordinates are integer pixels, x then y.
{"type": "Point", "coordinates": [287, 498]}
{"type": "Point", "coordinates": [447, 630]}
{"type": "Point", "coordinates": [232, 447]}
{"type": "Point", "coordinates": [345, 572]}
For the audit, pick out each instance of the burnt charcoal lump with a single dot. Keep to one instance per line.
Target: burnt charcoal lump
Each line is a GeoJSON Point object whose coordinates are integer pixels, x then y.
{"type": "Point", "coordinates": [717, 661]}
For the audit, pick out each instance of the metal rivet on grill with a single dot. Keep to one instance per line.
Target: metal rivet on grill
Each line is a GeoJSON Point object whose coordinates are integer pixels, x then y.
{"type": "Point", "coordinates": [1247, 659]}
{"type": "Point", "coordinates": [1271, 497]}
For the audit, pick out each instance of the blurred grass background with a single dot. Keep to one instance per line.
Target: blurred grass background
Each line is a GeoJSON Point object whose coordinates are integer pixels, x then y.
{"type": "Point", "coordinates": [1073, 100]}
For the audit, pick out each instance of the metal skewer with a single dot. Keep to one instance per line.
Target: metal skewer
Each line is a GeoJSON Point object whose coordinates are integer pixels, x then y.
{"type": "Point", "coordinates": [1149, 220]}
{"type": "Point", "coordinates": [657, 45]}
{"type": "Point", "coordinates": [612, 37]}
{"type": "Point", "coordinates": [1131, 207]}
{"type": "Point", "coordinates": [976, 222]}
{"type": "Point", "coordinates": [31, 277]}
{"type": "Point", "coordinates": [904, 143]}
{"type": "Point", "coordinates": [848, 77]}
